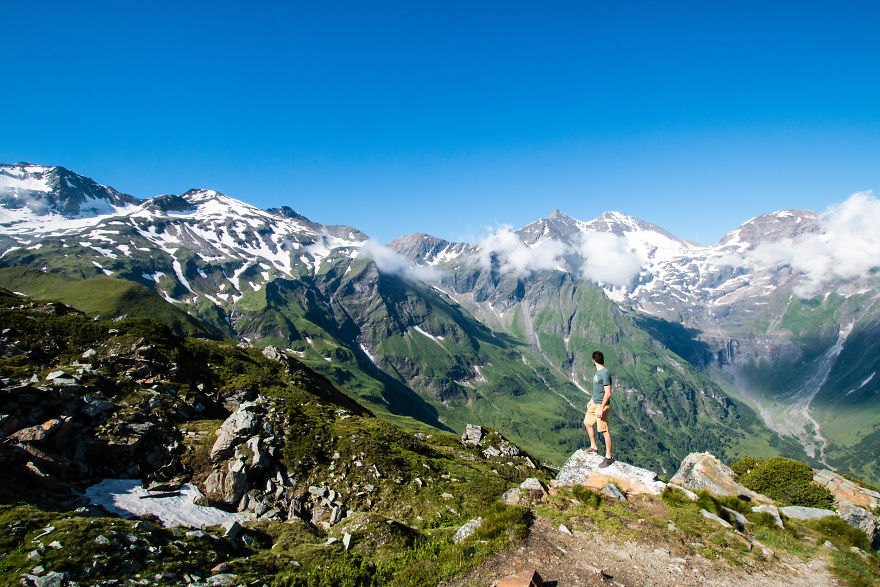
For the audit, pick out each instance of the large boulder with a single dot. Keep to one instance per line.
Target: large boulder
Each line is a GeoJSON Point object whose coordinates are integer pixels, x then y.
{"type": "Point", "coordinates": [236, 429]}
{"type": "Point", "coordinates": [582, 468]}
{"type": "Point", "coordinates": [703, 472]}
{"type": "Point", "coordinates": [227, 487]}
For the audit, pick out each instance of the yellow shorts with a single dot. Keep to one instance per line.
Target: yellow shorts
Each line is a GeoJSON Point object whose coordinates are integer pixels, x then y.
{"type": "Point", "coordinates": [590, 418]}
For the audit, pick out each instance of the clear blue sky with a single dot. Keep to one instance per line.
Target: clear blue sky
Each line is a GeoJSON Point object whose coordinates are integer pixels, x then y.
{"type": "Point", "coordinates": [450, 117]}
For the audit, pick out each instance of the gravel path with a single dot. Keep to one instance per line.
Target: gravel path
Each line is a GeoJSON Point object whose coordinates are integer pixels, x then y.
{"type": "Point", "coordinates": [594, 557]}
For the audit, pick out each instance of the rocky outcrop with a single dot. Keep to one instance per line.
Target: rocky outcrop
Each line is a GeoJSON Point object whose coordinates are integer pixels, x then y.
{"type": "Point", "coordinates": [494, 444]}
{"type": "Point", "coordinates": [702, 471]}
{"type": "Point", "coordinates": [582, 468]}
{"type": "Point", "coordinates": [845, 490]}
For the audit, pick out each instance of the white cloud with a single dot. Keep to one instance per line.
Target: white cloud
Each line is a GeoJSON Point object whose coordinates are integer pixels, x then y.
{"type": "Point", "coordinates": [846, 247]}
{"type": "Point", "coordinates": [391, 262]}
{"type": "Point", "coordinates": [505, 247]}
{"type": "Point", "coordinates": [608, 258]}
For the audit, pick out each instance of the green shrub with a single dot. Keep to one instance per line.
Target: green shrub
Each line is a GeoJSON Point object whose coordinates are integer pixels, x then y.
{"type": "Point", "coordinates": [674, 497]}
{"type": "Point", "coordinates": [587, 497]}
{"type": "Point", "coordinates": [787, 481]}
{"type": "Point", "coordinates": [840, 533]}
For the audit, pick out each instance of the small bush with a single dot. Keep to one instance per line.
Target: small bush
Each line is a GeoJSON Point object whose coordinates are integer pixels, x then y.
{"type": "Point", "coordinates": [587, 497]}
{"type": "Point", "coordinates": [840, 533]}
{"type": "Point", "coordinates": [674, 497]}
{"type": "Point", "coordinates": [787, 481]}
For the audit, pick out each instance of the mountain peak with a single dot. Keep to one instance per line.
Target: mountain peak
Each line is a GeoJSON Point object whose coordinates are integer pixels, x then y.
{"type": "Point", "coordinates": [39, 190]}
{"type": "Point", "coordinates": [773, 226]}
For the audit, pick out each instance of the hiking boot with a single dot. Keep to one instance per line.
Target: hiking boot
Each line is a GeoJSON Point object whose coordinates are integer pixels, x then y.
{"type": "Point", "coordinates": [605, 462]}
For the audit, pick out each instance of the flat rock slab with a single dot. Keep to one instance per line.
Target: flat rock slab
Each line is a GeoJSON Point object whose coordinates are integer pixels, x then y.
{"type": "Point", "coordinates": [715, 518]}
{"type": "Point", "coordinates": [798, 512]}
{"type": "Point", "coordinates": [582, 468]}
{"type": "Point", "coordinates": [845, 490]}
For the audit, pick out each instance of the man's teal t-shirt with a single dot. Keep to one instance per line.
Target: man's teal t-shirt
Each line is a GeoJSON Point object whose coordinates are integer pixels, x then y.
{"type": "Point", "coordinates": [600, 380]}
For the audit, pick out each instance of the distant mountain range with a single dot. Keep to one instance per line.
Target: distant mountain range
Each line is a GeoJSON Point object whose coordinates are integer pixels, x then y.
{"type": "Point", "coordinates": [702, 339]}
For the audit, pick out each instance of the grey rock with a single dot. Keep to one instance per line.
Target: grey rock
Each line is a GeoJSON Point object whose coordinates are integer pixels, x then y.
{"type": "Point", "coordinates": [103, 540]}
{"type": "Point", "coordinates": [858, 518]}
{"type": "Point", "coordinates": [512, 496]}
{"type": "Point", "coordinates": [709, 515]}
{"type": "Point", "coordinates": [491, 452]}
{"type": "Point", "coordinates": [51, 579]}
{"type": "Point", "coordinates": [797, 512]}
{"type": "Point", "coordinates": [533, 484]}
{"type": "Point", "coordinates": [564, 529]}
{"type": "Point", "coordinates": [346, 540]}
{"type": "Point", "coordinates": [235, 429]}
{"type": "Point", "coordinates": [232, 530]}
{"type": "Point", "coordinates": [611, 490]}
{"type": "Point", "coordinates": [473, 434]}
{"type": "Point", "coordinates": [769, 508]}
{"type": "Point", "coordinates": [223, 580]}
{"type": "Point", "coordinates": [829, 545]}
{"type": "Point", "coordinates": [467, 530]}
{"type": "Point", "coordinates": [740, 520]}
{"type": "Point", "coordinates": [229, 486]}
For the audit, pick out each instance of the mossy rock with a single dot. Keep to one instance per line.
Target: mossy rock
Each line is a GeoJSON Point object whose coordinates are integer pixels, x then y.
{"type": "Point", "coordinates": [371, 533]}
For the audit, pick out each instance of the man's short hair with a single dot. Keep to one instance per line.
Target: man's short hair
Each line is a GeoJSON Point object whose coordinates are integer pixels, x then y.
{"type": "Point", "coordinates": [599, 357]}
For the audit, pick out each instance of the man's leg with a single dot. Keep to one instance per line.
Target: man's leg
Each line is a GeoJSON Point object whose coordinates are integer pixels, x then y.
{"type": "Point", "coordinates": [592, 436]}
{"type": "Point", "coordinates": [607, 437]}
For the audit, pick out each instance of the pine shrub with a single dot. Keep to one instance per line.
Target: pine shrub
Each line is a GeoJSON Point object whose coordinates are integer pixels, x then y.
{"type": "Point", "coordinates": [787, 481]}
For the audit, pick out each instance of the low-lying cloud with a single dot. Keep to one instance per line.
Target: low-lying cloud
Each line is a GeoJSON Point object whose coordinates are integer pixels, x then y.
{"type": "Point", "coordinates": [847, 245]}
{"type": "Point", "coordinates": [608, 258]}
{"type": "Point", "coordinates": [391, 262]}
{"type": "Point", "coordinates": [600, 256]}
{"type": "Point", "coordinates": [505, 248]}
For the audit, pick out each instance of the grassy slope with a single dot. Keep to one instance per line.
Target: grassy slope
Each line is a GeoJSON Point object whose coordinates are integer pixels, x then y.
{"type": "Point", "coordinates": [103, 296]}
{"type": "Point", "coordinates": [417, 473]}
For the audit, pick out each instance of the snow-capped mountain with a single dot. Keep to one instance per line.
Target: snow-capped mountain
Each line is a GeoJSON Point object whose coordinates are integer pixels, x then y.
{"type": "Point", "coordinates": [33, 193]}
{"type": "Point", "coordinates": [231, 240]}
{"type": "Point", "coordinates": [433, 329]}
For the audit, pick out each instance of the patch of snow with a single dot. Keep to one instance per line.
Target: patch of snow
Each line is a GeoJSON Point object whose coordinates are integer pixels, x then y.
{"type": "Point", "coordinates": [864, 383]}
{"type": "Point", "coordinates": [129, 499]}
{"type": "Point", "coordinates": [437, 339]}
{"type": "Point", "coordinates": [106, 271]}
{"type": "Point", "coordinates": [369, 356]}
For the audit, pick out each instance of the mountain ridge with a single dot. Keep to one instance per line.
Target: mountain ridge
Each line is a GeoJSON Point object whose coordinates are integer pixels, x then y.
{"type": "Point", "coordinates": [275, 277]}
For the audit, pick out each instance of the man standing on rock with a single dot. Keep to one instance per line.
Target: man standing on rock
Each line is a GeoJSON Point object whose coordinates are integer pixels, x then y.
{"type": "Point", "coordinates": [598, 408]}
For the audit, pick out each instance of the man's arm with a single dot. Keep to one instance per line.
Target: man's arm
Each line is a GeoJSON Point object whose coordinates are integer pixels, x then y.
{"type": "Point", "coordinates": [605, 399]}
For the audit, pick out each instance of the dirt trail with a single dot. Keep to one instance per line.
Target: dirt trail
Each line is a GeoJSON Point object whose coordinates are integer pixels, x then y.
{"type": "Point", "coordinates": [580, 559]}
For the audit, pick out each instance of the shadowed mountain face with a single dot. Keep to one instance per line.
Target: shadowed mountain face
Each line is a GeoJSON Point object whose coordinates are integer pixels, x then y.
{"type": "Point", "coordinates": [498, 333]}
